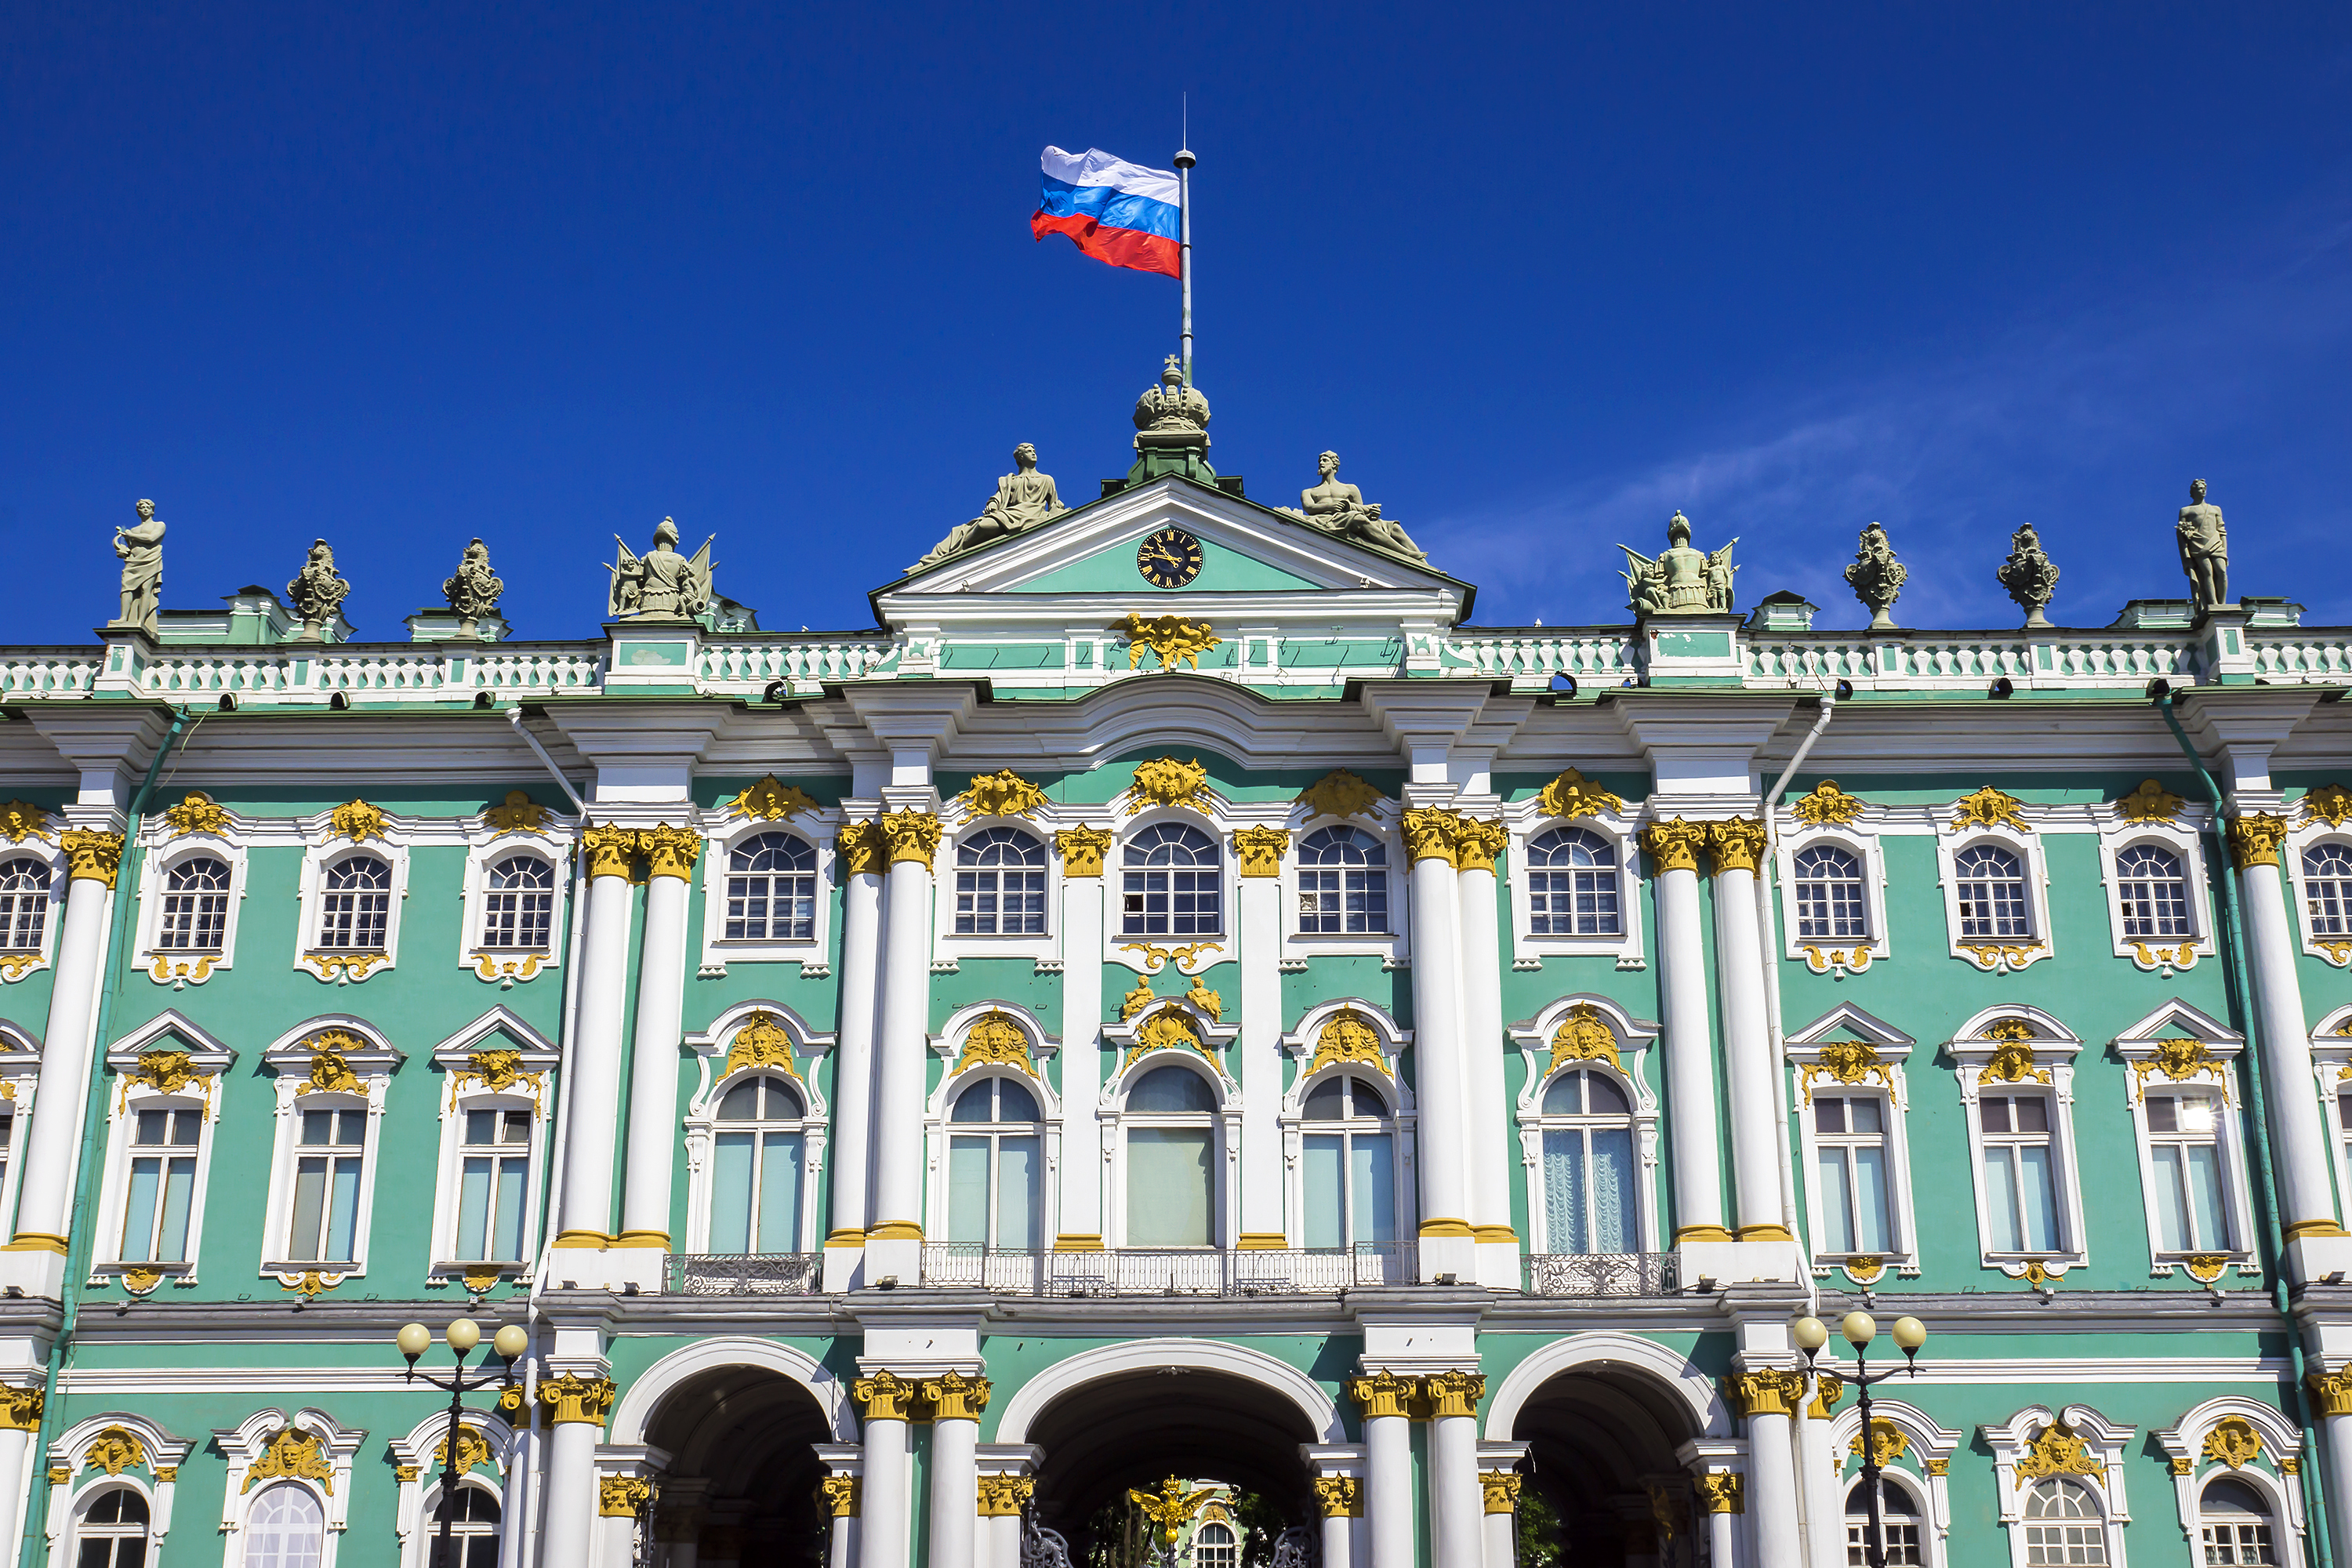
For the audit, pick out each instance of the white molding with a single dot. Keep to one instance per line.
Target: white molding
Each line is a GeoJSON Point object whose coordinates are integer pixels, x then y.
{"type": "Point", "coordinates": [1924, 1441]}
{"type": "Point", "coordinates": [1525, 821]}
{"type": "Point", "coordinates": [244, 1444]}
{"type": "Point", "coordinates": [372, 1066]}
{"type": "Point", "coordinates": [2307, 833]}
{"type": "Point", "coordinates": [1634, 1038]}
{"type": "Point", "coordinates": [709, 1048]}
{"type": "Point", "coordinates": [2184, 1444]}
{"type": "Point", "coordinates": [2137, 1045]}
{"type": "Point", "coordinates": [2010, 1441]}
{"type": "Point", "coordinates": [183, 967]}
{"type": "Point", "coordinates": [2055, 1049]}
{"type": "Point", "coordinates": [1225, 1122]}
{"type": "Point", "coordinates": [20, 1082]}
{"type": "Point", "coordinates": [2162, 957]}
{"type": "Point", "coordinates": [1675, 1373]}
{"type": "Point", "coordinates": [507, 967]}
{"type": "Point", "coordinates": [324, 963]}
{"type": "Point", "coordinates": [945, 942]}
{"type": "Point", "coordinates": [2011, 953]}
{"type": "Point", "coordinates": [1405, 1110]}
{"type": "Point", "coordinates": [71, 1499]}
{"type": "Point", "coordinates": [651, 1387]}
{"type": "Point", "coordinates": [722, 830]}
{"type": "Point", "coordinates": [208, 1060]}
{"type": "Point", "coordinates": [1183, 1354]}
{"type": "Point", "coordinates": [948, 1044]}
{"type": "Point", "coordinates": [1893, 1090]}
{"type": "Point", "coordinates": [416, 1503]}
{"type": "Point", "coordinates": [539, 1060]}
{"type": "Point", "coordinates": [1822, 955]}
{"type": "Point", "coordinates": [1213, 816]}
{"type": "Point", "coordinates": [1395, 944]}
{"type": "Point", "coordinates": [36, 848]}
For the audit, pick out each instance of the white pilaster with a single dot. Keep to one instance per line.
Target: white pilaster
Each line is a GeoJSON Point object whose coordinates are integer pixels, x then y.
{"type": "Point", "coordinates": [1081, 1224]}
{"type": "Point", "coordinates": [1489, 1122]}
{"type": "Point", "coordinates": [1447, 1243]}
{"type": "Point", "coordinates": [35, 1260]}
{"type": "Point", "coordinates": [1388, 1491]}
{"type": "Point", "coordinates": [955, 1492]}
{"type": "Point", "coordinates": [845, 1465]}
{"type": "Point", "coordinates": [1818, 1472]}
{"type": "Point", "coordinates": [2338, 1489]}
{"type": "Point", "coordinates": [2313, 1229]}
{"type": "Point", "coordinates": [1501, 1530]}
{"type": "Point", "coordinates": [567, 1535]}
{"type": "Point", "coordinates": [15, 1449]}
{"type": "Point", "coordinates": [592, 1078]}
{"type": "Point", "coordinates": [894, 1247]}
{"type": "Point", "coordinates": [1746, 1034]}
{"type": "Point", "coordinates": [1772, 1491]}
{"type": "Point", "coordinates": [858, 853]}
{"type": "Point", "coordinates": [1259, 927]}
{"type": "Point", "coordinates": [1689, 1045]}
{"type": "Point", "coordinates": [1457, 1502]}
{"type": "Point", "coordinates": [884, 1507]}
{"type": "Point", "coordinates": [653, 1119]}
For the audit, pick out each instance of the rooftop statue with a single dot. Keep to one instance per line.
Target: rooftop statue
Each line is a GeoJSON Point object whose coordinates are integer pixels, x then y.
{"type": "Point", "coordinates": [473, 592]}
{"type": "Point", "coordinates": [1876, 576]}
{"type": "Point", "coordinates": [661, 584]}
{"type": "Point", "coordinates": [1024, 498]}
{"type": "Point", "coordinates": [141, 546]}
{"type": "Point", "coordinates": [1171, 414]}
{"type": "Point", "coordinates": [1338, 509]}
{"type": "Point", "coordinates": [2204, 549]}
{"type": "Point", "coordinates": [316, 591]}
{"type": "Point", "coordinates": [2029, 574]}
{"type": "Point", "coordinates": [1683, 580]}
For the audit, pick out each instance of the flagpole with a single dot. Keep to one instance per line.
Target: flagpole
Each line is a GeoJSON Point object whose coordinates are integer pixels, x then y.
{"type": "Point", "coordinates": [1184, 162]}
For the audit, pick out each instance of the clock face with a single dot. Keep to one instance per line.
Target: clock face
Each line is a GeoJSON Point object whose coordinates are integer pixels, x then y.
{"type": "Point", "coordinates": [1169, 559]}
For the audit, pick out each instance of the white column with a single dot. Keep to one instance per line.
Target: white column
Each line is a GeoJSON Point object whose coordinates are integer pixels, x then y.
{"type": "Point", "coordinates": [1501, 1492]}
{"type": "Point", "coordinates": [1723, 1511]}
{"type": "Point", "coordinates": [578, 1407]}
{"type": "Point", "coordinates": [1771, 1466]}
{"type": "Point", "coordinates": [1259, 928]}
{"type": "Point", "coordinates": [2335, 1419]}
{"type": "Point", "coordinates": [1457, 1504]}
{"type": "Point", "coordinates": [883, 1500]}
{"type": "Point", "coordinates": [1689, 1044]}
{"type": "Point", "coordinates": [1387, 1490]}
{"type": "Point", "coordinates": [653, 1069]}
{"type": "Point", "coordinates": [1339, 1516]}
{"type": "Point", "coordinates": [1447, 1243]}
{"type": "Point", "coordinates": [894, 1247]}
{"type": "Point", "coordinates": [592, 1080]}
{"type": "Point", "coordinates": [15, 1447]}
{"type": "Point", "coordinates": [1476, 846]}
{"type": "Point", "coordinates": [957, 1401]}
{"type": "Point", "coordinates": [858, 850]}
{"type": "Point", "coordinates": [1817, 1475]}
{"type": "Point", "coordinates": [1080, 1173]}
{"type": "Point", "coordinates": [92, 859]}
{"type": "Point", "coordinates": [1746, 1033]}
{"type": "Point", "coordinates": [845, 1466]}
{"type": "Point", "coordinates": [2307, 1196]}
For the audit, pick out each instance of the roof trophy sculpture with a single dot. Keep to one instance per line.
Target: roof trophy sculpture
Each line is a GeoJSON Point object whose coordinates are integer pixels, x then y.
{"type": "Point", "coordinates": [2029, 574]}
{"type": "Point", "coordinates": [141, 546]}
{"type": "Point", "coordinates": [1338, 509]}
{"type": "Point", "coordinates": [1024, 498]}
{"type": "Point", "coordinates": [661, 584]}
{"type": "Point", "coordinates": [1682, 581]}
{"type": "Point", "coordinates": [1171, 414]}
{"type": "Point", "coordinates": [2204, 549]}
{"type": "Point", "coordinates": [316, 591]}
{"type": "Point", "coordinates": [1876, 577]}
{"type": "Point", "coordinates": [473, 591]}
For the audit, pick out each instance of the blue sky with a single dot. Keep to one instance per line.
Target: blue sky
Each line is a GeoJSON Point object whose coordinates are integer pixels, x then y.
{"type": "Point", "coordinates": [401, 276]}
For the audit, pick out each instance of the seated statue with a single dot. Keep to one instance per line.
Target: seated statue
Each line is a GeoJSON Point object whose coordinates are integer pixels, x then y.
{"type": "Point", "coordinates": [1024, 498]}
{"type": "Point", "coordinates": [1338, 507]}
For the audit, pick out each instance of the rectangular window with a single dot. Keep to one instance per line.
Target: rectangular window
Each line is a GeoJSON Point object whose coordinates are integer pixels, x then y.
{"type": "Point", "coordinates": [1170, 1179]}
{"type": "Point", "coordinates": [1340, 901]}
{"type": "Point", "coordinates": [1371, 1175]}
{"type": "Point", "coordinates": [494, 1168]}
{"type": "Point", "coordinates": [1009, 902]}
{"type": "Point", "coordinates": [1849, 1142]}
{"type": "Point", "coordinates": [967, 1189]}
{"type": "Point", "coordinates": [1899, 1540]}
{"type": "Point", "coordinates": [2185, 1155]}
{"type": "Point", "coordinates": [326, 1187]}
{"type": "Point", "coordinates": [157, 1202]}
{"type": "Point", "coordinates": [1171, 903]}
{"type": "Point", "coordinates": [1325, 1189]}
{"type": "Point", "coordinates": [2020, 1173]}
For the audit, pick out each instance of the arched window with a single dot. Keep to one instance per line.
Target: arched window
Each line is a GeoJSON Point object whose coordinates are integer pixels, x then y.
{"type": "Point", "coordinates": [1850, 1148]}
{"type": "Point", "coordinates": [519, 911]}
{"type": "Point", "coordinates": [113, 1531]}
{"type": "Point", "coordinates": [2185, 1155]}
{"type": "Point", "coordinates": [756, 1168]}
{"type": "Point", "coordinates": [1898, 1525]}
{"type": "Point", "coordinates": [1170, 1160]}
{"type": "Point", "coordinates": [995, 1166]}
{"type": "Point", "coordinates": [493, 1173]}
{"type": "Point", "coordinates": [156, 1203]}
{"type": "Point", "coordinates": [1343, 882]}
{"type": "Point", "coordinates": [1993, 892]}
{"type": "Point", "coordinates": [285, 1529]}
{"type": "Point", "coordinates": [772, 889]}
{"type": "Point", "coordinates": [1572, 884]}
{"type": "Point", "coordinates": [1214, 1546]}
{"type": "Point", "coordinates": [356, 905]}
{"type": "Point", "coordinates": [1174, 883]}
{"type": "Point", "coordinates": [2064, 1528]}
{"type": "Point", "coordinates": [2152, 891]}
{"type": "Point", "coordinates": [24, 904]}
{"type": "Point", "coordinates": [1349, 1152]}
{"type": "Point", "coordinates": [1829, 903]}
{"type": "Point", "coordinates": [472, 1528]}
{"type": "Point", "coordinates": [2237, 1525]}
{"type": "Point", "coordinates": [1588, 1165]}
{"type": "Point", "coordinates": [1000, 884]}
{"type": "Point", "coordinates": [2327, 888]}
{"type": "Point", "coordinates": [195, 906]}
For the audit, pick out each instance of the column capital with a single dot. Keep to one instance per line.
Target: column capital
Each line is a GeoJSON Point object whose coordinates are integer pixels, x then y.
{"type": "Point", "coordinates": [568, 1398]}
{"type": "Point", "coordinates": [1340, 1496]}
{"type": "Point", "coordinates": [1381, 1394]}
{"type": "Point", "coordinates": [612, 849]}
{"type": "Point", "coordinates": [1767, 1393]}
{"type": "Point", "coordinates": [623, 1497]}
{"type": "Point", "coordinates": [1001, 1496]}
{"type": "Point", "coordinates": [1082, 851]}
{"type": "Point", "coordinates": [911, 836]}
{"type": "Point", "coordinates": [1261, 849]}
{"type": "Point", "coordinates": [1455, 1393]}
{"type": "Point", "coordinates": [20, 1409]}
{"type": "Point", "coordinates": [93, 856]}
{"type": "Point", "coordinates": [1476, 843]}
{"type": "Point", "coordinates": [1735, 843]}
{"type": "Point", "coordinates": [1722, 1492]}
{"type": "Point", "coordinates": [953, 1396]}
{"type": "Point", "coordinates": [1501, 1489]}
{"type": "Point", "coordinates": [840, 1495]}
{"type": "Point", "coordinates": [1429, 834]}
{"type": "Point", "coordinates": [2331, 1390]}
{"type": "Point", "coordinates": [1828, 1389]}
{"type": "Point", "coordinates": [885, 1396]}
{"type": "Point", "coordinates": [860, 846]}
{"type": "Point", "coordinates": [1675, 845]}
{"type": "Point", "coordinates": [670, 851]}
{"type": "Point", "coordinates": [2254, 839]}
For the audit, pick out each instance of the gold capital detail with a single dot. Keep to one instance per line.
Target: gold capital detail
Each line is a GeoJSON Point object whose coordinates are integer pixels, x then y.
{"type": "Point", "coordinates": [20, 819]}
{"type": "Point", "coordinates": [1347, 1037]}
{"type": "Point", "coordinates": [2150, 803]}
{"type": "Point", "coordinates": [569, 1398]}
{"type": "Point", "coordinates": [761, 1043]}
{"type": "Point", "coordinates": [840, 1495]}
{"type": "Point", "coordinates": [883, 1396]}
{"type": "Point", "coordinates": [2330, 803]}
{"type": "Point", "coordinates": [1428, 834]}
{"type": "Point", "coordinates": [1455, 1393]}
{"type": "Point", "coordinates": [1887, 1443]}
{"type": "Point", "coordinates": [859, 845]}
{"type": "Point", "coordinates": [955, 1397]}
{"type": "Point", "coordinates": [2254, 839]}
{"type": "Point", "coordinates": [1261, 850]}
{"type": "Point", "coordinates": [670, 851]}
{"type": "Point", "coordinates": [1001, 1497]}
{"type": "Point", "coordinates": [1171, 637]}
{"type": "Point", "coordinates": [1381, 1394]}
{"type": "Point", "coordinates": [612, 850]}
{"type": "Point", "coordinates": [114, 1451]}
{"type": "Point", "coordinates": [473, 1450]}
{"type": "Point", "coordinates": [1583, 1036]}
{"type": "Point", "coordinates": [1847, 1061]}
{"type": "Point", "coordinates": [1164, 780]}
{"type": "Point", "coordinates": [197, 813]}
{"type": "Point", "coordinates": [1082, 851]}
{"type": "Point", "coordinates": [1573, 796]}
{"type": "Point", "coordinates": [1767, 1393]}
{"type": "Point", "coordinates": [773, 802]}
{"type": "Point", "coordinates": [1476, 843]}
{"type": "Point", "coordinates": [2332, 1392]}
{"type": "Point", "coordinates": [1825, 805]}
{"type": "Point", "coordinates": [91, 857]}
{"type": "Point", "coordinates": [1735, 843]}
{"type": "Point", "coordinates": [1828, 1389]}
{"type": "Point", "coordinates": [1340, 1496]}
{"type": "Point", "coordinates": [622, 1497]}
{"type": "Point", "coordinates": [20, 1409]}
{"type": "Point", "coordinates": [358, 821]}
{"type": "Point", "coordinates": [1501, 1489]}
{"type": "Point", "coordinates": [60, 1474]}
{"type": "Point", "coordinates": [1722, 1492]}
{"type": "Point", "coordinates": [1674, 845]}
{"type": "Point", "coordinates": [911, 836]}
{"type": "Point", "coordinates": [1001, 794]}
{"type": "Point", "coordinates": [1340, 793]}
{"type": "Point", "coordinates": [520, 814]}
{"type": "Point", "coordinates": [995, 1041]}
{"type": "Point", "coordinates": [2234, 1441]}
{"type": "Point", "coordinates": [292, 1455]}
{"type": "Point", "coordinates": [2057, 1452]}
{"type": "Point", "coordinates": [1989, 807]}
{"type": "Point", "coordinates": [407, 1475]}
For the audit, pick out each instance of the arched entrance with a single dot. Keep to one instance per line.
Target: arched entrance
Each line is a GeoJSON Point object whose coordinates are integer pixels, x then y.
{"type": "Point", "coordinates": [743, 1477]}
{"type": "Point", "coordinates": [1601, 1438]}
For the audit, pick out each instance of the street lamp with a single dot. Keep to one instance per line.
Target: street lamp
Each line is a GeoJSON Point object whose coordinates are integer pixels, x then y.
{"type": "Point", "coordinates": [1860, 1328]}
{"type": "Point", "coordinates": [462, 1335]}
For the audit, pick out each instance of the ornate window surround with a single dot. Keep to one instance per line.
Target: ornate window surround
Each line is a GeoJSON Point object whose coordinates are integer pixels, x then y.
{"type": "Point", "coordinates": [20, 1079]}
{"type": "Point", "coordinates": [948, 1046]}
{"type": "Point", "coordinates": [2180, 838]}
{"type": "Point", "coordinates": [417, 1467]}
{"type": "Point", "coordinates": [2331, 1066]}
{"type": "Point", "coordinates": [1819, 1064]}
{"type": "Point", "coordinates": [1526, 820]}
{"type": "Point", "coordinates": [1991, 956]}
{"type": "Point", "coordinates": [327, 848]}
{"type": "Point", "coordinates": [1208, 817]}
{"type": "Point", "coordinates": [2054, 1047]}
{"type": "Point", "coordinates": [1920, 1465]}
{"type": "Point", "coordinates": [1633, 1038]}
{"type": "Point", "coordinates": [532, 1089]}
{"type": "Point", "coordinates": [14, 966]}
{"type": "Point", "coordinates": [247, 1447]}
{"type": "Point", "coordinates": [1395, 944]}
{"type": "Point", "coordinates": [1864, 846]}
{"type": "Point", "coordinates": [2305, 832]}
{"type": "Point", "coordinates": [1225, 1122]}
{"type": "Point", "coordinates": [291, 1058]}
{"type": "Point", "coordinates": [722, 831]}
{"type": "Point", "coordinates": [161, 1456]}
{"type": "Point", "coordinates": [712, 1080]}
{"type": "Point", "coordinates": [959, 823]}
{"type": "Point", "coordinates": [208, 1061]}
{"type": "Point", "coordinates": [2218, 1047]}
{"type": "Point", "coordinates": [1302, 1045]}
{"type": "Point", "coordinates": [2191, 1448]}
{"type": "Point", "coordinates": [165, 847]}
{"type": "Point", "coordinates": [486, 846]}
{"type": "Point", "coordinates": [2105, 1441]}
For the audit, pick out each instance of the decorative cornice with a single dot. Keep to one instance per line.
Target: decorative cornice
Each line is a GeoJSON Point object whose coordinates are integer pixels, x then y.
{"type": "Point", "coordinates": [1261, 850]}
{"type": "Point", "coordinates": [91, 857]}
{"type": "Point", "coordinates": [1082, 851]}
{"type": "Point", "coordinates": [1675, 845]}
{"type": "Point", "coordinates": [1001, 794]}
{"type": "Point", "coordinates": [911, 836]}
{"type": "Point", "coordinates": [2254, 839]}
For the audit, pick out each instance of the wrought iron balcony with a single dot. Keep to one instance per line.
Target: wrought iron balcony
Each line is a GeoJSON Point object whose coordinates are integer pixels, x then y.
{"type": "Point", "coordinates": [1602, 1274]}
{"type": "Point", "coordinates": [1172, 1272]}
{"type": "Point", "coordinates": [759, 1274]}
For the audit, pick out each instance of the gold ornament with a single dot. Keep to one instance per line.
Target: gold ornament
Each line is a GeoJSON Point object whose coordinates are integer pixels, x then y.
{"type": "Point", "coordinates": [2234, 1441]}
{"type": "Point", "coordinates": [2204, 1267]}
{"type": "Point", "coordinates": [2057, 1452]}
{"type": "Point", "coordinates": [761, 1043]}
{"type": "Point", "coordinates": [407, 1475]}
{"type": "Point", "coordinates": [1155, 958]}
{"type": "Point", "coordinates": [1826, 805]}
{"type": "Point", "coordinates": [139, 1280]}
{"type": "Point", "coordinates": [912, 836]}
{"type": "Point", "coordinates": [520, 814]}
{"type": "Point", "coordinates": [1722, 1492]}
{"type": "Point", "coordinates": [20, 819]}
{"type": "Point", "coordinates": [860, 847]}
{"type": "Point", "coordinates": [1584, 1036]}
{"type": "Point", "coordinates": [773, 802]}
{"type": "Point", "coordinates": [883, 1396]}
{"type": "Point", "coordinates": [1828, 1389]}
{"type": "Point", "coordinates": [1207, 1000]}
{"type": "Point", "coordinates": [2330, 803]}
{"type": "Point", "coordinates": [1169, 1029]}
{"type": "Point", "coordinates": [2254, 839]}
{"type": "Point", "coordinates": [1082, 851]}
{"type": "Point", "coordinates": [2012, 1063]}
{"type": "Point", "coordinates": [995, 1041]}
{"type": "Point", "coordinates": [473, 1450]}
{"type": "Point", "coordinates": [330, 1073]}
{"type": "Point", "coordinates": [955, 1397]}
{"type": "Point", "coordinates": [1476, 843]}
{"type": "Point", "coordinates": [477, 1282]}
{"type": "Point", "coordinates": [1989, 807]}
{"type": "Point", "coordinates": [1164, 780]}
{"type": "Point", "coordinates": [1572, 795]}
{"type": "Point", "coordinates": [91, 857]}
{"type": "Point", "coordinates": [1734, 843]}
{"type": "Point", "coordinates": [1340, 1496]}
{"type": "Point", "coordinates": [1171, 1509]}
{"type": "Point", "coordinates": [292, 1455]}
{"type": "Point", "coordinates": [840, 1495]}
{"type": "Point", "coordinates": [1455, 1392]}
{"type": "Point", "coordinates": [2177, 1060]}
{"type": "Point", "coordinates": [1261, 850]}
{"type": "Point", "coordinates": [1381, 1394]}
{"type": "Point", "coordinates": [1674, 845]}
{"type": "Point", "coordinates": [612, 850]}
{"type": "Point", "coordinates": [1340, 793]}
{"type": "Point", "coordinates": [165, 1072]}
{"type": "Point", "coordinates": [1767, 1393]}
{"type": "Point", "coordinates": [622, 1497]}
{"type": "Point", "coordinates": [1001, 1497]}
{"type": "Point", "coordinates": [1847, 1061]}
{"type": "Point", "coordinates": [1171, 638]}
{"type": "Point", "coordinates": [570, 1399]}
{"type": "Point", "coordinates": [1137, 1000]}
{"type": "Point", "coordinates": [1347, 1037]}
{"type": "Point", "coordinates": [1001, 794]}
{"type": "Point", "coordinates": [114, 1451]}
{"type": "Point", "coordinates": [669, 851]}
{"type": "Point", "coordinates": [2332, 1391]}
{"type": "Point", "coordinates": [357, 821]}
{"type": "Point", "coordinates": [1500, 1490]}
{"type": "Point", "coordinates": [2150, 803]}
{"type": "Point", "coordinates": [197, 813]}
{"type": "Point", "coordinates": [496, 1071]}
{"type": "Point", "coordinates": [1887, 1443]}
{"type": "Point", "coordinates": [1428, 834]}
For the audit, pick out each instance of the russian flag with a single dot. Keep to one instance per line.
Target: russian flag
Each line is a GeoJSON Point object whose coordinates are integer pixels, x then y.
{"type": "Point", "coordinates": [1115, 211]}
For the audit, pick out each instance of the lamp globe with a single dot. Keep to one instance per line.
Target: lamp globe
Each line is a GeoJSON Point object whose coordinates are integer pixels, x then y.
{"type": "Point", "coordinates": [414, 1340]}
{"type": "Point", "coordinates": [463, 1335]}
{"type": "Point", "coordinates": [1859, 1329]}
{"type": "Point", "coordinates": [1810, 1334]}
{"type": "Point", "coordinates": [1910, 1333]}
{"type": "Point", "coordinates": [511, 1342]}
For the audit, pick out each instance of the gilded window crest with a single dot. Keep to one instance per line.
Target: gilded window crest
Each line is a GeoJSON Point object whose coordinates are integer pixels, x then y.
{"type": "Point", "coordinates": [1347, 1037]}
{"type": "Point", "coordinates": [1989, 807]}
{"type": "Point", "coordinates": [197, 813]}
{"type": "Point", "coordinates": [358, 821]}
{"type": "Point", "coordinates": [165, 1072]}
{"type": "Point", "coordinates": [1848, 1062]}
{"type": "Point", "coordinates": [2234, 1441]}
{"type": "Point", "coordinates": [1827, 806]}
{"type": "Point", "coordinates": [1340, 793]}
{"type": "Point", "coordinates": [996, 1041]}
{"type": "Point", "coordinates": [520, 814]}
{"type": "Point", "coordinates": [2150, 803]}
{"type": "Point", "coordinates": [1887, 1443]}
{"type": "Point", "coordinates": [1583, 1036]}
{"type": "Point", "coordinates": [1573, 796]}
{"type": "Point", "coordinates": [1169, 1029]}
{"type": "Point", "coordinates": [21, 818]}
{"type": "Point", "coordinates": [2177, 1060]}
{"type": "Point", "coordinates": [761, 1043]}
{"type": "Point", "coordinates": [472, 1450]}
{"type": "Point", "coordinates": [2057, 1452]}
{"type": "Point", "coordinates": [2330, 803]}
{"type": "Point", "coordinates": [773, 802]}
{"type": "Point", "coordinates": [293, 1456]}
{"type": "Point", "coordinates": [114, 1451]}
{"type": "Point", "coordinates": [1001, 794]}
{"type": "Point", "coordinates": [1164, 780]}
{"type": "Point", "coordinates": [331, 1074]}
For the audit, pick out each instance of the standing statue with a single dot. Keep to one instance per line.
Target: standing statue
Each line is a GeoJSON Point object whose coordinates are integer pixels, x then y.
{"type": "Point", "coordinates": [2029, 574]}
{"type": "Point", "coordinates": [316, 591]}
{"type": "Point", "coordinates": [1876, 577]}
{"type": "Point", "coordinates": [1338, 508]}
{"type": "Point", "coordinates": [1682, 581]}
{"type": "Point", "coordinates": [473, 590]}
{"type": "Point", "coordinates": [1024, 498]}
{"type": "Point", "coordinates": [661, 584]}
{"type": "Point", "coordinates": [141, 546]}
{"type": "Point", "coordinates": [2204, 549]}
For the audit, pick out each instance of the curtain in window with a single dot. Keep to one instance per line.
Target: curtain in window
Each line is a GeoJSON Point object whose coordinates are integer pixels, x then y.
{"type": "Point", "coordinates": [1613, 1192]}
{"type": "Point", "coordinates": [1563, 1174]}
{"type": "Point", "coordinates": [1018, 1169]}
{"type": "Point", "coordinates": [1168, 1186]}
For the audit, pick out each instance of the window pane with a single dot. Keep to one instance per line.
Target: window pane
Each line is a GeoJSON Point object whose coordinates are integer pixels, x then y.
{"type": "Point", "coordinates": [1612, 1191]}
{"type": "Point", "coordinates": [780, 1192]}
{"type": "Point", "coordinates": [1019, 1174]}
{"type": "Point", "coordinates": [1564, 1189]}
{"type": "Point", "coordinates": [1014, 1102]}
{"type": "Point", "coordinates": [1837, 1203]}
{"type": "Point", "coordinates": [179, 1189]}
{"type": "Point", "coordinates": [1168, 1090]}
{"type": "Point", "coordinates": [474, 1209]}
{"type": "Point", "coordinates": [2040, 1198]}
{"type": "Point", "coordinates": [731, 1193]}
{"type": "Point", "coordinates": [968, 1187]}
{"type": "Point", "coordinates": [2171, 1199]}
{"type": "Point", "coordinates": [1371, 1178]}
{"type": "Point", "coordinates": [1168, 1186]}
{"type": "Point", "coordinates": [2002, 1220]}
{"type": "Point", "coordinates": [1870, 1199]}
{"type": "Point", "coordinates": [343, 1241]}
{"type": "Point", "coordinates": [1323, 1188]}
{"type": "Point", "coordinates": [508, 1239]}
{"type": "Point", "coordinates": [973, 1103]}
{"type": "Point", "coordinates": [139, 1211]}
{"type": "Point", "coordinates": [2204, 1180]}
{"type": "Point", "coordinates": [309, 1208]}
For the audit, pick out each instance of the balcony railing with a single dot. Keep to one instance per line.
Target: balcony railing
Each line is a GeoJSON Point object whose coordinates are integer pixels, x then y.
{"type": "Point", "coordinates": [1602, 1274]}
{"type": "Point", "coordinates": [763, 1274]}
{"type": "Point", "coordinates": [1184, 1271]}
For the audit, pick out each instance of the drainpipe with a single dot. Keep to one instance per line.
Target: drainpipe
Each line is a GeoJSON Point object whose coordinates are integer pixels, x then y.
{"type": "Point", "coordinates": [93, 1117]}
{"type": "Point", "coordinates": [2233, 968]}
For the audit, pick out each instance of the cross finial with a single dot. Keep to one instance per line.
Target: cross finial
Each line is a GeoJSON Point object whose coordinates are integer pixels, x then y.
{"type": "Point", "coordinates": [1173, 361]}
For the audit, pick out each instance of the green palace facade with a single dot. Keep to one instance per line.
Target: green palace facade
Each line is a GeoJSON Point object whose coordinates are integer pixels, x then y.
{"type": "Point", "coordinates": [1178, 998]}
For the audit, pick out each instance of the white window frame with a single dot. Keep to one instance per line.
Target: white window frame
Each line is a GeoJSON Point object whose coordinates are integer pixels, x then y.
{"type": "Point", "coordinates": [208, 1061]}
{"type": "Point", "coordinates": [1395, 945]}
{"type": "Point", "coordinates": [414, 1512]}
{"type": "Point", "coordinates": [1126, 951]}
{"type": "Point", "coordinates": [179, 967]}
{"type": "Point", "coordinates": [1807, 1051]}
{"type": "Point", "coordinates": [1921, 1466]}
{"type": "Point", "coordinates": [1404, 1108]}
{"type": "Point", "coordinates": [2309, 832]}
{"type": "Point", "coordinates": [948, 1044]}
{"type": "Point", "coordinates": [70, 1498]}
{"type": "Point", "coordinates": [500, 1028]}
{"type": "Point", "coordinates": [337, 965]}
{"type": "Point", "coordinates": [2055, 1049]}
{"type": "Point", "coordinates": [2184, 1444]}
{"type": "Point", "coordinates": [2137, 1048]}
{"type": "Point", "coordinates": [1853, 957]}
{"type": "Point", "coordinates": [1224, 1121]}
{"type": "Point", "coordinates": [1526, 821]}
{"type": "Point", "coordinates": [507, 967]}
{"type": "Point", "coordinates": [945, 940]}
{"type": "Point", "coordinates": [244, 1444]}
{"type": "Point", "coordinates": [2010, 1441]}
{"type": "Point", "coordinates": [2162, 957]}
{"type": "Point", "coordinates": [15, 965]}
{"type": "Point", "coordinates": [723, 832]}
{"type": "Point", "coordinates": [1991, 955]}
{"type": "Point", "coordinates": [712, 1080]}
{"type": "Point", "coordinates": [373, 1065]}
{"type": "Point", "coordinates": [20, 1080]}
{"type": "Point", "coordinates": [1635, 1038]}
